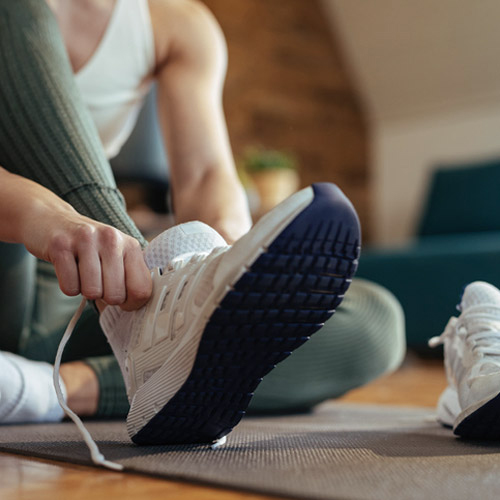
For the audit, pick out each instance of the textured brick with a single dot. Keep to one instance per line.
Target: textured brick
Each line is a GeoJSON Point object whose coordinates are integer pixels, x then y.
{"type": "Point", "coordinates": [288, 88]}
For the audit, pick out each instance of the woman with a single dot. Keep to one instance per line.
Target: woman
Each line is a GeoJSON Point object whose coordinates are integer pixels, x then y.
{"type": "Point", "coordinates": [100, 56]}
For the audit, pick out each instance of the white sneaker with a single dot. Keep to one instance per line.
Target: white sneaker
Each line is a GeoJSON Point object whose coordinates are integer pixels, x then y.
{"type": "Point", "coordinates": [470, 404]}
{"type": "Point", "coordinates": [220, 319]}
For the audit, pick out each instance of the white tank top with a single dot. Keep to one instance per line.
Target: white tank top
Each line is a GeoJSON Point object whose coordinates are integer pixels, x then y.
{"type": "Point", "coordinates": [117, 77]}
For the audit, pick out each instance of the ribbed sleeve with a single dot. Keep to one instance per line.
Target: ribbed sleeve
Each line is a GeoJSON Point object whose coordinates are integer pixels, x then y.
{"type": "Point", "coordinates": [46, 132]}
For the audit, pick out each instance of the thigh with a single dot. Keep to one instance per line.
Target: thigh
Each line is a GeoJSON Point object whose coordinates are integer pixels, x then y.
{"type": "Point", "coordinates": [17, 292]}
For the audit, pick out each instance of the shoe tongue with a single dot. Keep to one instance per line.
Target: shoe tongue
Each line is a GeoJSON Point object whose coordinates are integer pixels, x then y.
{"type": "Point", "coordinates": [181, 239]}
{"type": "Point", "coordinates": [480, 293]}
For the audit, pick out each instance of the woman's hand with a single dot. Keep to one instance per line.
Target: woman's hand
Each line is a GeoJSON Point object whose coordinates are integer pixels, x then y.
{"type": "Point", "coordinates": [89, 257]}
{"type": "Point", "coordinates": [96, 260]}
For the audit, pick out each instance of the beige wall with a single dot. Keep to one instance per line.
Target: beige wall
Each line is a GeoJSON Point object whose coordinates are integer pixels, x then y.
{"type": "Point", "coordinates": [404, 154]}
{"type": "Point", "coordinates": [429, 73]}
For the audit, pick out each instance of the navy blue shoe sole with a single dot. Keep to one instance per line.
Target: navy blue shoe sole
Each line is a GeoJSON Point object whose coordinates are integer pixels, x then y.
{"type": "Point", "coordinates": [287, 294]}
{"type": "Point", "coordinates": [483, 424]}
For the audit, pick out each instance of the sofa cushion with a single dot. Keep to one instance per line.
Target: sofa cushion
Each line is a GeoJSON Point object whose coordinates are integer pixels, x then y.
{"type": "Point", "coordinates": [428, 277]}
{"type": "Point", "coordinates": [463, 200]}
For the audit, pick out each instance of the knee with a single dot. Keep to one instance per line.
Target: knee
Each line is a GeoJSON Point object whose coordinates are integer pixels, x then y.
{"type": "Point", "coordinates": [363, 340]}
{"type": "Point", "coordinates": [376, 322]}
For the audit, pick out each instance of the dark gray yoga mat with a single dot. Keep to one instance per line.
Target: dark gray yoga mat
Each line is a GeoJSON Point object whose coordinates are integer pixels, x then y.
{"type": "Point", "coordinates": [339, 451]}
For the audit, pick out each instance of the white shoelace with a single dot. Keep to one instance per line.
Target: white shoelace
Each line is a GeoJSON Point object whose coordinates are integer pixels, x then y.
{"type": "Point", "coordinates": [484, 339]}
{"type": "Point", "coordinates": [97, 457]}
{"type": "Point", "coordinates": [448, 332]}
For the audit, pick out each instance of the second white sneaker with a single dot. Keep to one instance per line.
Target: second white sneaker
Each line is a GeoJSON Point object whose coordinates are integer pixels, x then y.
{"type": "Point", "coordinates": [471, 402]}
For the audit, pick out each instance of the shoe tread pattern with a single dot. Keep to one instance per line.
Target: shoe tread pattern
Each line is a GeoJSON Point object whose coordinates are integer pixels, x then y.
{"type": "Point", "coordinates": [285, 296]}
{"type": "Point", "coordinates": [482, 424]}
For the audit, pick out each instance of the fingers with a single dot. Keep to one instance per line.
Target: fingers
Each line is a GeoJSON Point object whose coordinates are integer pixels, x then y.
{"type": "Point", "coordinates": [101, 262]}
{"type": "Point", "coordinates": [61, 253]}
{"type": "Point", "coordinates": [89, 268]}
{"type": "Point", "coordinates": [126, 281]}
{"type": "Point", "coordinates": [113, 269]}
{"type": "Point", "coordinates": [139, 283]}
{"type": "Point", "coordinates": [67, 274]}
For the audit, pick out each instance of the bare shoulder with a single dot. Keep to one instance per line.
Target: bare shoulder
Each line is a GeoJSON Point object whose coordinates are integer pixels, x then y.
{"type": "Point", "coordinates": [187, 30]}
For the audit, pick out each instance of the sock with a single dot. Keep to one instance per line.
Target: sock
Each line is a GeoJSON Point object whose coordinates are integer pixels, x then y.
{"type": "Point", "coordinates": [27, 393]}
{"type": "Point", "coordinates": [46, 131]}
{"type": "Point", "coordinates": [121, 326]}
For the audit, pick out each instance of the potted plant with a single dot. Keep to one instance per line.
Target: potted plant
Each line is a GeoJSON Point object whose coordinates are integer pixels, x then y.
{"type": "Point", "coordinates": [273, 173]}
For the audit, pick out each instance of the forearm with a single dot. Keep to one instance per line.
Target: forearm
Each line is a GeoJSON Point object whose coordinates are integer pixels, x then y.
{"type": "Point", "coordinates": [216, 198]}
{"type": "Point", "coordinates": [25, 208]}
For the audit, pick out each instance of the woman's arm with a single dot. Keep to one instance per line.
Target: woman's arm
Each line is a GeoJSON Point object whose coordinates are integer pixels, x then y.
{"type": "Point", "coordinates": [90, 258]}
{"type": "Point", "coordinates": [191, 67]}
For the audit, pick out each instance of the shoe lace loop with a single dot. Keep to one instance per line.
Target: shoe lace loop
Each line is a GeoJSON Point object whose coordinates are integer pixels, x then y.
{"type": "Point", "coordinates": [447, 333]}
{"type": "Point", "coordinates": [478, 325]}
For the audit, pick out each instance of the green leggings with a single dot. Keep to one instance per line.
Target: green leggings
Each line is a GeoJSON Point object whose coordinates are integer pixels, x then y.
{"type": "Point", "coordinates": [364, 339]}
{"type": "Point", "coordinates": [47, 135]}
{"type": "Point", "coordinates": [34, 314]}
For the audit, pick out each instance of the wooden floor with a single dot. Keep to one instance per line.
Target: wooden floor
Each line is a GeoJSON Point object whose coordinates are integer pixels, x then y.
{"type": "Point", "coordinates": [417, 383]}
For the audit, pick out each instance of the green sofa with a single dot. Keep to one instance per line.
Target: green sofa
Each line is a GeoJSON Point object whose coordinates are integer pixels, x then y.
{"type": "Point", "coordinates": [458, 242]}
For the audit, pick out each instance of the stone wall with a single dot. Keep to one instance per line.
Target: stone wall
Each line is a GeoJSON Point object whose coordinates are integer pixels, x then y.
{"type": "Point", "coordinates": [288, 88]}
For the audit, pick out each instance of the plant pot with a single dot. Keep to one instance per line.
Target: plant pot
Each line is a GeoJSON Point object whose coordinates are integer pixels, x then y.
{"type": "Point", "coordinates": [273, 186]}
